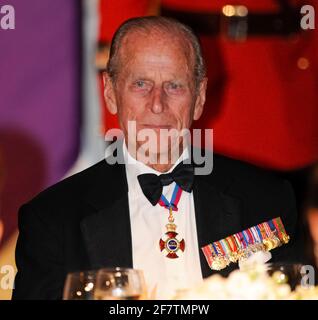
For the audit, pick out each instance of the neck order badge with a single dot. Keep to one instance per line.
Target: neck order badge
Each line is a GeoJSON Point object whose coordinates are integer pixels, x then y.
{"type": "Point", "coordinates": [171, 245]}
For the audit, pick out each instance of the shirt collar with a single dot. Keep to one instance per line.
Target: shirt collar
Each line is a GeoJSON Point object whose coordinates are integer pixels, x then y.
{"type": "Point", "coordinates": [134, 167]}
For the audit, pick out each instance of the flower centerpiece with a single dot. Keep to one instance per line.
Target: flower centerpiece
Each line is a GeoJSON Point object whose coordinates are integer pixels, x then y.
{"type": "Point", "coordinates": [253, 281]}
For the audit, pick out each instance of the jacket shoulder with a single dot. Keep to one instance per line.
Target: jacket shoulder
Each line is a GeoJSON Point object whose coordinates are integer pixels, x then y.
{"type": "Point", "coordinates": [227, 170]}
{"type": "Point", "coordinates": [73, 194]}
{"type": "Point", "coordinates": [74, 185]}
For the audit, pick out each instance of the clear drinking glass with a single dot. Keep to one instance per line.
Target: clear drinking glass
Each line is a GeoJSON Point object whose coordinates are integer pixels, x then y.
{"type": "Point", "coordinates": [120, 284]}
{"type": "Point", "coordinates": [80, 286]}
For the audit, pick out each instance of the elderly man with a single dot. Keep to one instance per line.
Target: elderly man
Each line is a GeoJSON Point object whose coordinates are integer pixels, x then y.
{"type": "Point", "coordinates": [157, 216]}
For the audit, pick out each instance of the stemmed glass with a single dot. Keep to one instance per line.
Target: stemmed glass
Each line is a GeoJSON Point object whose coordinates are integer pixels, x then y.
{"type": "Point", "coordinates": [120, 284]}
{"type": "Point", "coordinates": [80, 286]}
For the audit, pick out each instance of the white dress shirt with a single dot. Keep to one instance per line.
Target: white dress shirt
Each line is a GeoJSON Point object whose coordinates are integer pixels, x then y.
{"type": "Point", "coordinates": [163, 276]}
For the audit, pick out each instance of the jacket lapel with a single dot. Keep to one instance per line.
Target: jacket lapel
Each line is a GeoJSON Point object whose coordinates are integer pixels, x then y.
{"type": "Point", "coordinates": [217, 216]}
{"type": "Point", "coordinates": [107, 233]}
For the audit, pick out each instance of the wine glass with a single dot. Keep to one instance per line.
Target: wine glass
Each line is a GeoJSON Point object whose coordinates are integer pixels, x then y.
{"type": "Point", "coordinates": [120, 284]}
{"type": "Point", "coordinates": [80, 285]}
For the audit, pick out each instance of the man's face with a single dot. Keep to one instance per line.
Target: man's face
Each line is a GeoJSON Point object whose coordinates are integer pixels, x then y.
{"type": "Point", "coordinates": [155, 85]}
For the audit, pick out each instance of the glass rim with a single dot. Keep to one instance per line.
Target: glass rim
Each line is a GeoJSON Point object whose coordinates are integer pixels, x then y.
{"type": "Point", "coordinates": [82, 272]}
{"type": "Point", "coordinates": [118, 269]}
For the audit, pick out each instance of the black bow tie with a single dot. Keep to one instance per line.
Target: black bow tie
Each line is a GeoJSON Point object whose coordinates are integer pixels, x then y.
{"type": "Point", "coordinates": [151, 184]}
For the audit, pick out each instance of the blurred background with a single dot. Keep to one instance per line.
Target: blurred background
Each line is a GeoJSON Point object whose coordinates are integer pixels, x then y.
{"type": "Point", "coordinates": [262, 99]}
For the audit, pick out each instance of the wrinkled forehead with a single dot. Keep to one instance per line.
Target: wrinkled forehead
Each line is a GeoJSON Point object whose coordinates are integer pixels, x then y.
{"type": "Point", "coordinates": [139, 44]}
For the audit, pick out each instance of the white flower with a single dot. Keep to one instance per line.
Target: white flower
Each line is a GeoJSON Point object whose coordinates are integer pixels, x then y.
{"type": "Point", "coordinates": [252, 284]}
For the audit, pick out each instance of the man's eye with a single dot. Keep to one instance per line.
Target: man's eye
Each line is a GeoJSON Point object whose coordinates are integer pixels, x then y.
{"type": "Point", "coordinates": [174, 87]}
{"type": "Point", "coordinates": [141, 84]}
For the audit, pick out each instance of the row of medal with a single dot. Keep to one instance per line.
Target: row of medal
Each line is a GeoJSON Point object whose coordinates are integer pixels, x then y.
{"type": "Point", "coordinates": [239, 246]}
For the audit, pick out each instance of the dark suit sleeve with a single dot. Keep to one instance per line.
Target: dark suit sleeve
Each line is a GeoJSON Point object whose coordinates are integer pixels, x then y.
{"type": "Point", "coordinates": [38, 258]}
{"type": "Point", "coordinates": [293, 252]}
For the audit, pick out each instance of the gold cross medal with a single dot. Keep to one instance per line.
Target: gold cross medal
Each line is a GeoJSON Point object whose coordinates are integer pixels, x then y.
{"type": "Point", "coordinates": [171, 245]}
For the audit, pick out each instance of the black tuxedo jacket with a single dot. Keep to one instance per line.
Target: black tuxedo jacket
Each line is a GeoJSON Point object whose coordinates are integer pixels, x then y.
{"type": "Point", "coordinates": [83, 221]}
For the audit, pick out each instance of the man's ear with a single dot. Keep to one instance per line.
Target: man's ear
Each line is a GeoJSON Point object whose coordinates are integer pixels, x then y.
{"type": "Point", "coordinates": [200, 100]}
{"type": "Point", "coordinates": [109, 94]}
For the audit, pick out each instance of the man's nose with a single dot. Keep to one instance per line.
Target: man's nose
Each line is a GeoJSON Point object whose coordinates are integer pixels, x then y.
{"type": "Point", "coordinates": [157, 101]}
